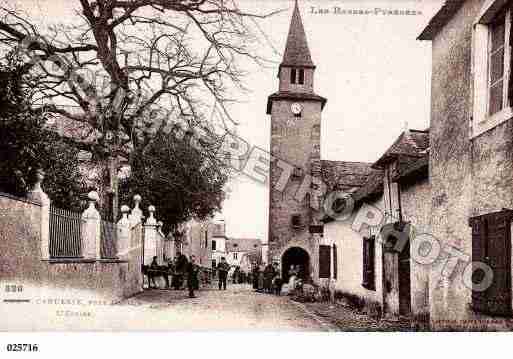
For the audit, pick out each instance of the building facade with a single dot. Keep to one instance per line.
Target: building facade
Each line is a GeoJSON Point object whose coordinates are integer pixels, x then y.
{"type": "Point", "coordinates": [298, 175]}
{"type": "Point", "coordinates": [470, 163]}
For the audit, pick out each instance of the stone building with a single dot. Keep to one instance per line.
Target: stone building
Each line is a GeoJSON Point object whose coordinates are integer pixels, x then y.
{"type": "Point", "coordinates": [198, 241]}
{"type": "Point", "coordinates": [218, 244]}
{"type": "Point", "coordinates": [366, 264]}
{"type": "Point", "coordinates": [470, 167]}
{"type": "Point", "coordinates": [295, 231]}
{"type": "Point", "coordinates": [241, 252]}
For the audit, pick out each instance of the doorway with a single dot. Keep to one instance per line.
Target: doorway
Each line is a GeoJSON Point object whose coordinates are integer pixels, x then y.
{"type": "Point", "coordinates": [295, 256]}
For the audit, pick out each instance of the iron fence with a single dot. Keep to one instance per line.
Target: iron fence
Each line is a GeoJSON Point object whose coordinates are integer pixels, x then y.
{"type": "Point", "coordinates": [65, 233]}
{"type": "Point", "coordinates": [108, 240]}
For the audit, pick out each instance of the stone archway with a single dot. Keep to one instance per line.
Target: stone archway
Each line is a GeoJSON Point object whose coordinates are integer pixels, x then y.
{"type": "Point", "coordinates": [295, 256]}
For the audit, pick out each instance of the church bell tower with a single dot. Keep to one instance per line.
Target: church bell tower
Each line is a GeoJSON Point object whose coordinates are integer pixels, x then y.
{"type": "Point", "coordinates": [295, 112]}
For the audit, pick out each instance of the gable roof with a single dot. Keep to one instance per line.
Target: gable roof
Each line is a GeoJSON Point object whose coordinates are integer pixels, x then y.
{"type": "Point", "coordinates": [297, 52]}
{"type": "Point", "coordinates": [413, 143]}
{"type": "Point", "coordinates": [441, 18]}
{"type": "Point", "coordinates": [342, 175]}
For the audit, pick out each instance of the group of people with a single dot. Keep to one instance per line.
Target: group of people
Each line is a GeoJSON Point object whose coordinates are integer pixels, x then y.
{"type": "Point", "coordinates": [267, 279]}
{"type": "Point", "coordinates": [179, 268]}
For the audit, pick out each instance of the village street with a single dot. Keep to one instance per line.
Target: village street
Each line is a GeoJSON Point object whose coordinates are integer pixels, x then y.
{"type": "Point", "coordinates": [237, 308]}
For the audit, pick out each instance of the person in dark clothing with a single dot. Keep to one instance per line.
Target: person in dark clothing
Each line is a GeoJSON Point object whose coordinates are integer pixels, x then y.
{"type": "Point", "coordinates": [254, 276]}
{"type": "Point", "coordinates": [268, 277]}
{"type": "Point", "coordinates": [151, 277]}
{"type": "Point", "coordinates": [192, 276]}
{"type": "Point", "coordinates": [180, 267]}
{"type": "Point", "coordinates": [223, 268]}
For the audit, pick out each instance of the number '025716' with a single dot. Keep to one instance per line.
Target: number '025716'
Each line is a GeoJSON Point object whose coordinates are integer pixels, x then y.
{"type": "Point", "coordinates": [22, 347]}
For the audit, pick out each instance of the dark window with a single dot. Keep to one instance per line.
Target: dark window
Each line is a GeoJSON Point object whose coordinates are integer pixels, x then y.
{"type": "Point", "coordinates": [491, 244]}
{"type": "Point", "coordinates": [368, 280]}
{"type": "Point", "coordinates": [301, 76]}
{"type": "Point", "coordinates": [206, 239]}
{"type": "Point", "coordinates": [324, 261]}
{"type": "Point", "coordinates": [214, 263]}
{"type": "Point", "coordinates": [297, 173]}
{"type": "Point", "coordinates": [214, 245]}
{"type": "Point", "coordinates": [296, 220]}
{"type": "Point", "coordinates": [292, 76]}
{"type": "Point", "coordinates": [335, 261]}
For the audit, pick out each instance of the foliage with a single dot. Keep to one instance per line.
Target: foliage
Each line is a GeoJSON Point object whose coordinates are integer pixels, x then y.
{"type": "Point", "coordinates": [26, 145]}
{"type": "Point", "coordinates": [180, 179]}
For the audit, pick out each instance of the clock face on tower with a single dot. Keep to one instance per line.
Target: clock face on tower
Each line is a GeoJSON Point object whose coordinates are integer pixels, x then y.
{"type": "Point", "coordinates": [296, 108]}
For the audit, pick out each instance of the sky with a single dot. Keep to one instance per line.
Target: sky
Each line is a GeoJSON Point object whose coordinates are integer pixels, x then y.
{"type": "Point", "coordinates": [373, 71]}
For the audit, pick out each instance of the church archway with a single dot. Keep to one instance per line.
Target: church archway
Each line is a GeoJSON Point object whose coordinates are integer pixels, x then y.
{"type": "Point", "coordinates": [296, 256]}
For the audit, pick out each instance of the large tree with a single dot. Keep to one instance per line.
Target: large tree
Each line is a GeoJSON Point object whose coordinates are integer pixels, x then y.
{"type": "Point", "coordinates": [120, 61]}
{"type": "Point", "coordinates": [179, 178]}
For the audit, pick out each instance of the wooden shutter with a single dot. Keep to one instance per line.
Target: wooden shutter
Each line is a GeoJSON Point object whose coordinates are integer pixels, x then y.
{"type": "Point", "coordinates": [491, 244]}
{"type": "Point", "coordinates": [368, 280]}
{"type": "Point", "coordinates": [324, 261]}
{"type": "Point", "coordinates": [335, 259]}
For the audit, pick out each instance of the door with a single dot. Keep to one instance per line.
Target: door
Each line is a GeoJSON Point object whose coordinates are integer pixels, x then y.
{"type": "Point", "coordinates": [404, 281]}
{"type": "Point", "coordinates": [491, 244]}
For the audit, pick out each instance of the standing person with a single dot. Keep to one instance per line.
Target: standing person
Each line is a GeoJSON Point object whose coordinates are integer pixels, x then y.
{"type": "Point", "coordinates": [254, 276]}
{"type": "Point", "coordinates": [151, 273]}
{"type": "Point", "coordinates": [180, 267]}
{"type": "Point", "coordinates": [222, 268]}
{"type": "Point", "coordinates": [260, 278]}
{"type": "Point", "coordinates": [192, 276]}
{"type": "Point", "coordinates": [268, 277]}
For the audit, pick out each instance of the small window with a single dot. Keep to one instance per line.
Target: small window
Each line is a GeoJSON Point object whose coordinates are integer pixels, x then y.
{"type": "Point", "coordinates": [292, 76]}
{"type": "Point", "coordinates": [214, 245]}
{"type": "Point", "coordinates": [296, 221]}
{"type": "Point", "coordinates": [234, 255]}
{"type": "Point", "coordinates": [214, 263]}
{"type": "Point", "coordinates": [206, 239]}
{"type": "Point", "coordinates": [297, 173]}
{"type": "Point", "coordinates": [301, 76]}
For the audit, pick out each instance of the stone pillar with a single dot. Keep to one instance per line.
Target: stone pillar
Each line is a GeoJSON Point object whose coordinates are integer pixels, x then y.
{"type": "Point", "coordinates": [124, 234]}
{"type": "Point", "coordinates": [91, 222]}
{"type": "Point", "coordinates": [150, 237]}
{"type": "Point", "coordinates": [37, 195]}
{"type": "Point", "coordinates": [136, 215]}
{"type": "Point", "coordinates": [160, 243]}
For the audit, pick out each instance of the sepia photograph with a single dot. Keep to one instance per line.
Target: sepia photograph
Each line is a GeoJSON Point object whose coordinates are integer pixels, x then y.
{"type": "Point", "coordinates": [255, 166]}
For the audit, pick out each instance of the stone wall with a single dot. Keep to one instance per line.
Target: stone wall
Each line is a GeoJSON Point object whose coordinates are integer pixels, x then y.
{"type": "Point", "coordinates": [468, 176]}
{"type": "Point", "coordinates": [350, 258]}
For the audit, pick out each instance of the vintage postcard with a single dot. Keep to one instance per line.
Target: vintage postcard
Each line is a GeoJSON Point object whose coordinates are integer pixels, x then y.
{"type": "Point", "coordinates": [256, 165]}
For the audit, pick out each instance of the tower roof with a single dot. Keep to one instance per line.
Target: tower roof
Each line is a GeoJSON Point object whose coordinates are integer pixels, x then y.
{"type": "Point", "coordinates": [297, 52]}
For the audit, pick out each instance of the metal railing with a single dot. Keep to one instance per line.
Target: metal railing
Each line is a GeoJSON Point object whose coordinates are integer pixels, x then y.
{"type": "Point", "coordinates": [65, 233]}
{"type": "Point", "coordinates": [108, 240]}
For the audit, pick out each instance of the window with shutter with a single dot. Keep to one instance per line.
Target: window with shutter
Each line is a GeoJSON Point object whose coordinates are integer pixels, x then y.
{"type": "Point", "coordinates": [491, 244]}
{"type": "Point", "coordinates": [368, 280]}
{"type": "Point", "coordinates": [324, 261]}
{"type": "Point", "coordinates": [335, 259]}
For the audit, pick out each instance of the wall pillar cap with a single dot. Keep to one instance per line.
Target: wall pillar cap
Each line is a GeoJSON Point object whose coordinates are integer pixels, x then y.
{"type": "Point", "coordinates": [91, 212]}
{"type": "Point", "coordinates": [151, 221]}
